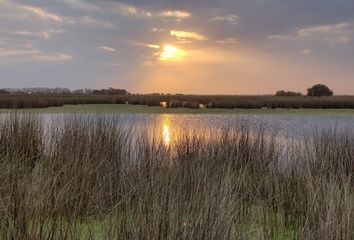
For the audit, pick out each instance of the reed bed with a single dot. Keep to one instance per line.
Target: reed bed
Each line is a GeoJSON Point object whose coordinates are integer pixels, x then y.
{"type": "Point", "coordinates": [45, 101]}
{"type": "Point", "coordinates": [88, 178]}
{"type": "Point", "coordinates": [176, 101]}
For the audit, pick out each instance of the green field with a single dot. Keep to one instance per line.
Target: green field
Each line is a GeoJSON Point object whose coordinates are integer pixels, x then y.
{"type": "Point", "coordinates": [139, 109]}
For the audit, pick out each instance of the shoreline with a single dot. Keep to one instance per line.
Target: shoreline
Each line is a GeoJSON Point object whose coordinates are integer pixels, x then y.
{"type": "Point", "coordinates": [141, 109]}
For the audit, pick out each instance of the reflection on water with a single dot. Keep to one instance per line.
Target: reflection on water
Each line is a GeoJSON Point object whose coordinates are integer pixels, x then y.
{"type": "Point", "coordinates": [166, 126]}
{"type": "Point", "coordinates": [170, 127]}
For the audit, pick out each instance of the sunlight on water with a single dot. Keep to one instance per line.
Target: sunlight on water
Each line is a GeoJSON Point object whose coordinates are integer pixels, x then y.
{"type": "Point", "coordinates": [166, 121]}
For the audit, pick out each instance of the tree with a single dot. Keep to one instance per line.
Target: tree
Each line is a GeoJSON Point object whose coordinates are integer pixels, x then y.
{"type": "Point", "coordinates": [319, 90]}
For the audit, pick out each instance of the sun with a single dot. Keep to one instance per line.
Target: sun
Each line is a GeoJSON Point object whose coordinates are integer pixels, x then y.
{"type": "Point", "coordinates": [172, 53]}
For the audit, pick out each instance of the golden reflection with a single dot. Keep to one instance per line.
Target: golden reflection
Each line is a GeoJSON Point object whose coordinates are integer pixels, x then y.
{"type": "Point", "coordinates": [172, 53]}
{"type": "Point", "coordinates": [163, 104]}
{"type": "Point", "coordinates": [166, 123]}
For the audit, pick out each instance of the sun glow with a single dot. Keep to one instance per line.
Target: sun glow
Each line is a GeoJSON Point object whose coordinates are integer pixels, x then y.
{"type": "Point", "coordinates": [172, 53]}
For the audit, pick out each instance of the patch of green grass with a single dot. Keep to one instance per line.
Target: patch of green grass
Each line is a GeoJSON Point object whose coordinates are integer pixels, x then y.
{"type": "Point", "coordinates": [139, 109]}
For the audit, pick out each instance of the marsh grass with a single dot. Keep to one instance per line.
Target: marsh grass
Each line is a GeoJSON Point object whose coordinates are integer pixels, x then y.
{"type": "Point", "coordinates": [179, 101]}
{"type": "Point", "coordinates": [89, 178]}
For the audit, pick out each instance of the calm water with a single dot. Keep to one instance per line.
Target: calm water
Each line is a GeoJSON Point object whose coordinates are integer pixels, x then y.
{"type": "Point", "coordinates": [170, 126]}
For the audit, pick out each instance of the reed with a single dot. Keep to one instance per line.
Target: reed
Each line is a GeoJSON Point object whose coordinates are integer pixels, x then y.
{"type": "Point", "coordinates": [96, 178]}
{"type": "Point", "coordinates": [188, 101]}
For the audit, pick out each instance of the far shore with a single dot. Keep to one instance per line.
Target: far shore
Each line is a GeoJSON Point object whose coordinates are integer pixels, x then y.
{"type": "Point", "coordinates": [140, 109]}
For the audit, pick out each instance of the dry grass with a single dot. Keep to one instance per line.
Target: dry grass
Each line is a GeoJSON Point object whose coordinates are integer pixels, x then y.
{"type": "Point", "coordinates": [175, 101]}
{"type": "Point", "coordinates": [96, 179]}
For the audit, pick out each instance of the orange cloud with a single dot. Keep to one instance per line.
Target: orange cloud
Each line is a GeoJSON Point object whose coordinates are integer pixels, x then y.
{"type": "Point", "coordinates": [176, 14]}
{"type": "Point", "coordinates": [182, 35]}
{"type": "Point", "coordinates": [108, 49]}
{"type": "Point", "coordinates": [43, 13]}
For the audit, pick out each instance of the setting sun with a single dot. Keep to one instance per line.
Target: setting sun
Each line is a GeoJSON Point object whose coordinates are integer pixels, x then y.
{"type": "Point", "coordinates": [172, 53]}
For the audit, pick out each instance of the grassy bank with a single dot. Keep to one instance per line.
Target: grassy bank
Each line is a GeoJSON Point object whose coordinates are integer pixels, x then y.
{"type": "Point", "coordinates": [138, 109]}
{"type": "Point", "coordinates": [95, 179]}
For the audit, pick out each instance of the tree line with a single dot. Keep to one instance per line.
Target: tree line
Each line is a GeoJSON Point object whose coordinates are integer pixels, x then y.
{"type": "Point", "coordinates": [318, 90]}
{"type": "Point", "coordinates": [25, 91]}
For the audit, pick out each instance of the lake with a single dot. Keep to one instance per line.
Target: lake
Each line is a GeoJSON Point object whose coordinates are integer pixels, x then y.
{"type": "Point", "coordinates": [171, 126]}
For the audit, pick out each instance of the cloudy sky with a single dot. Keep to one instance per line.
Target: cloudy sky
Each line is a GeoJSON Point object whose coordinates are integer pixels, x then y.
{"type": "Point", "coordinates": [178, 46]}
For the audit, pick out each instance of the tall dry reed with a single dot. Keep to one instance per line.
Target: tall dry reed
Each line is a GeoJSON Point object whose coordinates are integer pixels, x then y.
{"type": "Point", "coordinates": [95, 178]}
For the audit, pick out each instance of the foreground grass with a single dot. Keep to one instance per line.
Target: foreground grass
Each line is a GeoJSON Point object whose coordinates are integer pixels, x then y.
{"type": "Point", "coordinates": [139, 109]}
{"type": "Point", "coordinates": [94, 178]}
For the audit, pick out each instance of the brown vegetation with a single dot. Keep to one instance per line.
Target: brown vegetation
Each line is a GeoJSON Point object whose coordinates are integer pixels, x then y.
{"type": "Point", "coordinates": [95, 179]}
{"type": "Point", "coordinates": [191, 101]}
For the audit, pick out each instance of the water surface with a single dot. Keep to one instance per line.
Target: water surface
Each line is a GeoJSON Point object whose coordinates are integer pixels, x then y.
{"type": "Point", "coordinates": [170, 126]}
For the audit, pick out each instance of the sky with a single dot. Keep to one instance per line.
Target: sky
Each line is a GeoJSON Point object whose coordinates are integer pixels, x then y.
{"type": "Point", "coordinates": [178, 46]}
